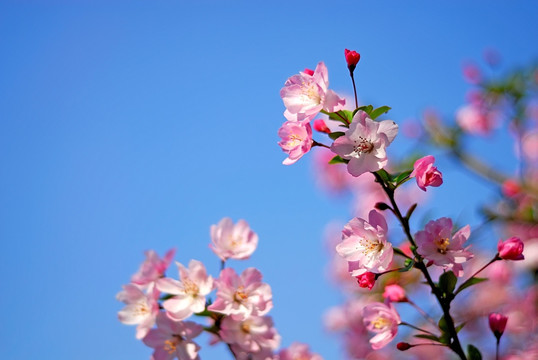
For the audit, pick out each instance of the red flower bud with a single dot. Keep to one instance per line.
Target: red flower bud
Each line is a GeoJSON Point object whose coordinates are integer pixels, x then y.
{"type": "Point", "coordinates": [402, 346]}
{"type": "Point", "coordinates": [511, 249]}
{"type": "Point", "coordinates": [352, 59]}
{"type": "Point", "coordinates": [497, 324]}
{"type": "Point", "coordinates": [366, 280]}
{"type": "Point", "coordinates": [319, 125]}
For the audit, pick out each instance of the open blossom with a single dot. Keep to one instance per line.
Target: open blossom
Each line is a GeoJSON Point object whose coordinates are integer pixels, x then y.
{"type": "Point", "coordinates": [231, 241]}
{"type": "Point", "coordinates": [511, 249]}
{"type": "Point", "coordinates": [437, 244]}
{"type": "Point", "coordinates": [188, 293]}
{"type": "Point", "coordinates": [364, 143]}
{"type": "Point", "coordinates": [382, 320]}
{"type": "Point", "coordinates": [255, 334]}
{"type": "Point", "coordinates": [364, 245]}
{"type": "Point", "coordinates": [307, 93]}
{"type": "Point", "coordinates": [173, 339]}
{"type": "Point", "coordinates": [141, 308]}
{"type": "Point", "coordinates": [296, 140]}
{"type": "Point", "coordinates": [426, 174]}
{"type": "Point", "coordinates": [298, 351]}
{"type": "Point", "coordinates": [242, 296]}
{"type": "Point", "coordinates": [153, 267]}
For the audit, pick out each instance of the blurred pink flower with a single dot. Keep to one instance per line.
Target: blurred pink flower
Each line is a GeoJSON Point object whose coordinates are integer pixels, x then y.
{"type": "Point", "coordinates": [436, 243]}
{"type": "Point", "coordinates": [153, 267]}
{"type": "Point", "coordinates": [382, 320]}
{"type": "Point", "coordinates": [296, 140]}
{"type": "Point", "coordinates": [529, 145]}
{"type": "Point", "coordinates": [364, 245]}
{"type": "Point", "coordinates": [394, 293]}
{"type": "Point", "coordinates": [254, 334]}
{"type": "Point", "coordinates": [306, 94]}
{"type": "Point", "coordinates": [364, 143]}
{"type": "Point", "coordinates": [141, 309]}
{"type": "Point", "coordinates": [231, 241]}
{"type": "Point", "coordinates": [298, 351]}
{"type": "Point", "coordinates": [476, 120]}
{"type": "Point", "coordinates": [173, 339]}
{"type": "Point", "coordinates": [511, 249]}
{"type": "Point", "coordinates": [426, 174]}
{"type": "Point", "coordinates": [242, 296]}
{"type": "Point", "coordinates": [189, 293]}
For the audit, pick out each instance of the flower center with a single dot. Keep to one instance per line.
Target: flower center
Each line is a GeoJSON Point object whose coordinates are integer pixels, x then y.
{"type": "Point", "coordinates": [370, 246]}
{"type": "Point", "coordinates": [442, 244]}
{"type": "Point", "coordinates": [380, 323]}
{"type": "Point", "coordinates": [245, 327]}
{"type": "Point", "coordinates": [190, 287]}
{"type": "Point", "coordinates": [294, 140]}
{"type": "Point", "coordinates": [142, 309]}
{"type": "Point", "coordinates": [310, 91]}
{"type": "Point", "coordinates": [362, 146]}
{"type": "Point", "coordinates": [240, 295]}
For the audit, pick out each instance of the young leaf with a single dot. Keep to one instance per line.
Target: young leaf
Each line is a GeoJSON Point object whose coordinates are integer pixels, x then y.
{"type": "Point", "coordinates": [472, 281]}
{"type": "Point", "coordinates": [447, 283]}
{"type": "Point", "coordinates": [338, 160]}
{"type": "Point", "coordinates": [474, 353]}
{"type": "Point", "coordinates": [408, 265]}
{"type": "Point", "coordinates": [402, 176]}
{"type": "Point", "coordinates": [426, 336]}
{"type": "Point", "coordinates": [335, 135]}
{"type": "Point", "coordinates": [366, 108]}
{"type": "Point", "coordinates": [442, 324]}
{"type": "Point", "coordinates": [377, 112]}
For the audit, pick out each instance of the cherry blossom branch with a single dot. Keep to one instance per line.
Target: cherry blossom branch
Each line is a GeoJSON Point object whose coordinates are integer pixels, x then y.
{"type": "Point", "coordinates": [315, 143]}
{"type": "Point", "coordinates": [495, 258]}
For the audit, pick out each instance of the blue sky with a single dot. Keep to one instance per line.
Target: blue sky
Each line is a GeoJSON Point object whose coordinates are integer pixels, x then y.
{"type": "Point", "coordinates": [130, 125]}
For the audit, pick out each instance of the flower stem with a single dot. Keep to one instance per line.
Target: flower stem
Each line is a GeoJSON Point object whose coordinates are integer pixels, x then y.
{"type": "Point", "coordinates": [495, 258]}
{"type": "Point", "coordinates": [354, 88]}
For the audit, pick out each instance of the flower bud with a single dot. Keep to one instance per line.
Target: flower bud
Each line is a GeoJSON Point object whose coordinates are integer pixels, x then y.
{"type": "Point", "coordinates": [402, 346]}
{"type": "Point", "coordinates": [366, 280]}
{"type": "Point", "coordinates": [309, 72]}
{"type": "Point", "coordinates": [352, 59]}
{"type": "Point", "coordinates": [319, 125]}
{"type": "Point", "coordinates": [511, 249]}
{"type": "Point", "coordinates": [497, 324]}
{"type": "Point", "coordinates": [394, 293]}
{"type": "Point", "coordinates": [425, 173]}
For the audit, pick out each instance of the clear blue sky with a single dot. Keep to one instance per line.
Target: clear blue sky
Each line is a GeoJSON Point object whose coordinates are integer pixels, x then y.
{"type": "Point", "coordinates": [129, 125]}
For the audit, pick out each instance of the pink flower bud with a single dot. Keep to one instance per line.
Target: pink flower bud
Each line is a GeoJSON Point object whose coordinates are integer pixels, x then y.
{"type": "Point", "coordinates": [319, 125]}
{"type": "Point", "coordinates": [402, 346]}
{"type": "Point", "coordinates": [352, 59]}
{"type": "Point", "coordinates": [394, 293]}
{"type": "Point", "coordinates": [510, 188]}
{"type": "Point", "coordinates": [366, 280]}
{"type": "Point", "coordinates": [309, 72]}
{"type": "Point", "coordinates": [511, 249]}
{"type": "Point", "coordinates": [426, 174]}
{"type": "Point", "coordinates": [497, 323]}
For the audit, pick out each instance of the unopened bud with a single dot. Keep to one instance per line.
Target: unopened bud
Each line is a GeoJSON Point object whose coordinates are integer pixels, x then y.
{"type": "Point", "coordinates": [402, 346]}
{"type": "Point", "coordinates": [319, 125]}
{"type": "Point", "coordinates": [352, 59]}
{"type": "Point", "coordinates": [381, 206]}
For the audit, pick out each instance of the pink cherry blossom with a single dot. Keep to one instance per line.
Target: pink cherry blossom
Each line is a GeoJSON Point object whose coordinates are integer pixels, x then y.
{"type": "Point", "coordinates": [364, 143]}
{"type": "Point", "coordinates": [394, 293]}
{"type": "Point", "coordinates": [189, 293]}
{"type": "Point", "coordinates": [426, 174]}
{"type": "Point", "coordinates": [296, 140]}
{"type": "Point", "coordinates": [141, 308]}
{"type": "Point", "coordinates": [231, 241]}
{"type": "Point", "coordinates": [511, 249]}
{"type": "Point", "coordinates": [437, 244]}
{"type": "Point", "coordinates": [383, 320]}
{"type": "Point", "coordinates": [153, 267]}
{"type": "Point", "coordinates": [242, 296]}
{"type": "Point", "coordinates": [173, 339]}
{"type": "Point", "coordinates": [364, 245]}
{"type": "Point", "coordinates": [253, 335]}
{"type": "Point", "coordinates": [298, 351]}
{"type": "Point", "coordinates": [475, 119]}
{"type": "Point", "coordinates": [366, 280]}
{"type": "Point", "coordinates": [306, 94]}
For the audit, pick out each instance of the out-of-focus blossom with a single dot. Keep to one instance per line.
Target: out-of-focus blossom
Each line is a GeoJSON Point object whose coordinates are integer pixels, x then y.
{"type": "Point", "coordinates": [306, 94]}
{"type": "Point", "coordinates": [352, 59]}
{"type": "Point", "coordinates": [330, 177]}
{"type": "Point", "coordinates": [242, 296]}
{"type": "Point", "coordinates": [412, 129]}
{"type": "Point", "coordinates": [298, 351]}
{"type": "Point", "coordinates": [231, 241]}
{"type": "Point", "coordinates": [497, 323]}
{"type": "Point", "coordinates": [382, 320]}
{"type": "Point", "coordinates": [426, 174]}
{"type": "Point", "coordinates": [366, 280]}
{"type": "Point", "coordinates": [364, 143]}
{"type": "Point", "coordinates": [141, 309]}
{"type": "Point", "coordinates": [511, 249]}
{"type": "Point", "coordinates": [475, 120]}
{"type": "Point", "coordinates": [153, 267]}
{"type": "Point", "coordinates": [364, 245]}
{"type": "Point", "coordinates": [437, 244]}
{"type": "Point", "coordinates": [173, 339]}
{"type": "Point", "coordinates": [394, 293]}
{"type": "Point", "coordinates": [471, 73]}
{"type": "Point", "coordinates": [296, 140]}
{"type": "Point", "coordinates": [188, 293]}
{"type": "Point", "coordinates": [529, 145]}
{"type": "Point", "coordinates": [510, 188]}
{"type": "Point", "coordinates": [251, 335]}
{"type": "Point", "coordinates": [319, 125]}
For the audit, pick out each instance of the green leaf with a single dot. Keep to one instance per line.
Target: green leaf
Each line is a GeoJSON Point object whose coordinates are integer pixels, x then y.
{"type": "Point", "coordinates": [385, 176]}
{"type": "Point", "coordinates": [445, 339]}
{"type": "Point", "coordinates": [442, 324]}
{"type": "Point", "coordinates": [344, 116]}
{"type": "Point", "coordinates": [366, 108]}
{"type": "Point", "coordinates": [459, 327]}
{"type": "Point", "coordinates": [380, 110]}
{"type": "Point", "coordinates": [426, 336]}
{"type": "Point", "coordinates": [401, 176]}
{"type": "Point", "coordinates": [335, 135]}
{"type": "Point", "coordinates": [408, 265]}
{"type": "Point", "coordinates": [472, 281]}
{"type": "Point", "coordinates": [474, 353]}
{"type": "Point", "coordinates": [338, 160]}
{"type": "Point", "coordinates": [447, 284]}
{"type": "Point", "coordinates": [410, 211]}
